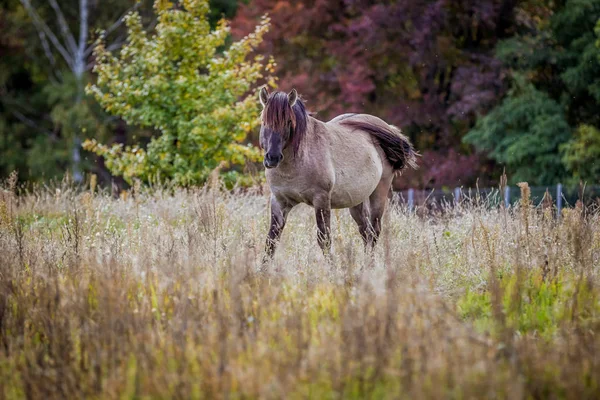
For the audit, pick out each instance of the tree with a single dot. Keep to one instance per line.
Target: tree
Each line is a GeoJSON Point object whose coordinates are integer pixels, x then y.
{"type": "Point", "coordinates": [176, 81]}
{"type": "Point", "coordinates": [43, 109]}
{"type": "Point", "coordinates": [546, 126]}
{"type": "Point", "coordinates": [581, 155]}
{"type": "Point", "coordinates": [524, 132]}
{"type": "Point", "coordinates": [64, 48]}
{"type": "Point", "coordinates": [426, 66]}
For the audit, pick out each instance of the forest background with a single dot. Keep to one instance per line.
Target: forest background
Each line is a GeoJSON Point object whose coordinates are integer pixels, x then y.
{"type": "Point", "coordinates": [479, 85]}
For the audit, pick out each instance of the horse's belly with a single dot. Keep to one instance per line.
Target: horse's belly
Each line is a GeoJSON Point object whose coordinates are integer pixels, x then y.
{"type": "Point", "coordinates": [356, 179]}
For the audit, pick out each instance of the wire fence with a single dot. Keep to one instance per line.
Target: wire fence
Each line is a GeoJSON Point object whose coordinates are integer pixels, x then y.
{"type": "Point", "coordinates": [557, 195]}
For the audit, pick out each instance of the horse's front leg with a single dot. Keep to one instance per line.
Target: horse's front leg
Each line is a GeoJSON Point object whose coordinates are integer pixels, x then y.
{"type": "Point", "coordinates": [322, 205]}
{"type": "Point", "coordinates": [279, 213]}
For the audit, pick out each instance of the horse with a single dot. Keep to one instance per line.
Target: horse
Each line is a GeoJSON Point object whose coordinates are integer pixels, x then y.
{"type": "Point", "coordinates": [347, 162]}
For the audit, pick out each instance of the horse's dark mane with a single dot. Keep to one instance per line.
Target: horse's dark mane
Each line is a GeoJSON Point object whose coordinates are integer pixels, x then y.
{"type": "Point", "coordinates": [276, 115]}
{"type": "Point", "coordinates": [301, 125]}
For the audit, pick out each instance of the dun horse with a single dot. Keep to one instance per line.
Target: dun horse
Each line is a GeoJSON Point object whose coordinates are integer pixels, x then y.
{"type": "Point", "coordinates": [348, 162]}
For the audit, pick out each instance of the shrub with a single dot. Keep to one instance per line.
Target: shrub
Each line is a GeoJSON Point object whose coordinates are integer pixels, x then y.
{"type": "Point", "coordinates": [178, 81]}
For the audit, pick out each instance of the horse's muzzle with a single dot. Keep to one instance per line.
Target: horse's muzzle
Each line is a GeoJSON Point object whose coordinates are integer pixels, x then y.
{"type": "Point", "coordinates": [272, 161]}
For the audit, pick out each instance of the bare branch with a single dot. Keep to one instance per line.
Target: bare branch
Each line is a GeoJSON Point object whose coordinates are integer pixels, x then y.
{"type": "Point", "coordinates": [11, 102]}
{"type": "Point", "coordinates": [46, 47]}
{"type": "Point", "coordinates": [64, 27]}
{"type": "Point", "coordinates": [115, 45]}
{"type": "Point", "coordinates": [89, 50]}
{"type": "Point", "coordinates": [114, 27]}
{"type": "Point", "coordinates": [40, 25]}
{"type": "Point", "coordinates": [30, 123]}
{"type": "Point", "coordinates": [121, 19]}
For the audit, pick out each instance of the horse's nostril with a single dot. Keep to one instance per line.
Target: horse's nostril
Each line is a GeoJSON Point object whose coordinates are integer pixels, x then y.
{"type": "Point", "coordinates": [273, 158]}
{"type": "Point", "coordinates": [272, 161]}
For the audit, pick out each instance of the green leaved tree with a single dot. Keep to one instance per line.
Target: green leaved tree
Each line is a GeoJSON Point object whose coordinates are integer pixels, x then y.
{"type": "Point", "coordinates": [524, 132]}
{"type": "Point", "coordinates": [179, 81]}
{"type": "Point", "coordinates": [581, 154]}
{"type": "Point", "coordinates": [45, 63]}
{"type": "Point", "coordinates": [546, 129]}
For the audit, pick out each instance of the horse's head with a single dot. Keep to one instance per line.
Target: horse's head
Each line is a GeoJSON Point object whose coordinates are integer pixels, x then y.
{"type": "Point", "coordinates": [278, 124]}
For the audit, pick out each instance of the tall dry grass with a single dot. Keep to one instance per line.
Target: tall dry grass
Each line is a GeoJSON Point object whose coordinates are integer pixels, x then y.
{"type": "Point", "coordinates": [161, 294]}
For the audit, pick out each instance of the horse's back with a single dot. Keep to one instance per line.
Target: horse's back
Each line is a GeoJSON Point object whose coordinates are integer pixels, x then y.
{"type": "Point", "coordinates": [357, 163]}
{"type": "Point", "coordinates": [341, 117]}
{"type": "Point", "coordinates": [359, 140]}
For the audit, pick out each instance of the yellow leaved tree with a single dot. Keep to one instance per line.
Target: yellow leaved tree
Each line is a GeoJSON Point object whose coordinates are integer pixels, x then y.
{"type": "Point", "coordinates": [180, 81]}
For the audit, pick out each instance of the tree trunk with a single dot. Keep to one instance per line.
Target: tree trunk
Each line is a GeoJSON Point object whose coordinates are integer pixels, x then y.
{"type": "Point", "coordinates": [79, 70]}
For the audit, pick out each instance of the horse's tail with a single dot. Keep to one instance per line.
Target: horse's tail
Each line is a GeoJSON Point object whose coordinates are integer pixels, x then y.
{"type": "Point", "coordinates": [398, 150]}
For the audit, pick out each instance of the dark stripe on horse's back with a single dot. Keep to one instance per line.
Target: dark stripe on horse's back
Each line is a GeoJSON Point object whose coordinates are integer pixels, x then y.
{"type": "Point", "coordinates": [397, 147]}
{"type": "Point", "coordinates": [341, 117]}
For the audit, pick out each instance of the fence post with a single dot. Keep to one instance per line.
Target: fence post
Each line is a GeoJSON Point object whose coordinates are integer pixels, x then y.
{"type": "Point", "coordinates": [411, 199]}
{"type": "Point", "coordinates": [558, 200]}
{"type": "Point", "coordinates": [507, 196]}
{"type": "Point", "coordinates": [456, 196]}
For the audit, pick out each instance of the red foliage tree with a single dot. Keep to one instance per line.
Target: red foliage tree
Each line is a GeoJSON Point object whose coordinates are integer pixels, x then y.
{"type": "Point", "coordinates": [426, 66]}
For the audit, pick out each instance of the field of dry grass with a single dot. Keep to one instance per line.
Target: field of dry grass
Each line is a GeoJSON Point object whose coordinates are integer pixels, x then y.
{"type": "Point", "coordinates": [161, 294]}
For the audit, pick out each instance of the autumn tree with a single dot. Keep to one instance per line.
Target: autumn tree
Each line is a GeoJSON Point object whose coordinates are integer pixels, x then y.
{"type": "Point", "coordinates": [428, 67]}
{"type": "Point", "coordinates": [178, 81]}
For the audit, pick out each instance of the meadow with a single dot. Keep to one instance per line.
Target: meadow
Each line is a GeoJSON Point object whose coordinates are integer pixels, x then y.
{"type": "Point", "coordinates": [161, 293]}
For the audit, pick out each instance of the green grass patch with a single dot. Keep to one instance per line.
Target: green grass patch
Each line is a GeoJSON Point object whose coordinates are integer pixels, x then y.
{"type": "Point", "coordinates": [532, 304]}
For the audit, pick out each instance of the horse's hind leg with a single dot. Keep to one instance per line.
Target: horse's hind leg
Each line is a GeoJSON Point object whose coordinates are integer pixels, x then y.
{"type": "Point", "coordinates": [377, 202]}
{"type": "Point", "coordinates": [361, 215]}
{"type": "Point", "coordinates": [322, 206]}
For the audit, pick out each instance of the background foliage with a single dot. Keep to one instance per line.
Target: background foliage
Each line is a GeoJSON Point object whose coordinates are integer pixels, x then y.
{"type": "Point", "coordinates": [514, 79]}
{"type": "Point", "coordinates": [556, 70]}
{"type": "Point", "coordinates": [176, 82]}
{"type": "Point", "coordinates": [478, 85]}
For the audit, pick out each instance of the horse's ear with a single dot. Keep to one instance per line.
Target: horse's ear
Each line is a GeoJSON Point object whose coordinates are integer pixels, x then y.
{"type": "Point", "coordinates": [263, 95]}
{"type": "Point", "coordinates": [292, 97]}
